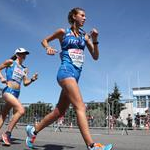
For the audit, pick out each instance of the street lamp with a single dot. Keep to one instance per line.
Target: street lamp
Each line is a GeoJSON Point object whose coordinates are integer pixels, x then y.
{"type": "Point", "coordinates": [108, 113]}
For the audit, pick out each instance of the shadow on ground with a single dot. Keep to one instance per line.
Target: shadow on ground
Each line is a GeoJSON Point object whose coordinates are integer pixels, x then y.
{"type": "Point", "coordinates": [54, 147]}
{"type": "Point", "coordinates": [13, 141]}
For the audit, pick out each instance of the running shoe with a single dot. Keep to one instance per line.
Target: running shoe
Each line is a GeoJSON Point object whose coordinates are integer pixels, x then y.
{"type": "Point", "coordinates": [98, 146]}
{"type": "Point", "coordinates": [6, 137]}
{"type": "Point", "coordinates": [30, 136]}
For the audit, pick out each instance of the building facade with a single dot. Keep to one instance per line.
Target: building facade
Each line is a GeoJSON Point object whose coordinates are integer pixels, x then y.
{"type": "Point", "coordinates": [141, 101]}
{"type": "Point", "coordinates": [138, 105]}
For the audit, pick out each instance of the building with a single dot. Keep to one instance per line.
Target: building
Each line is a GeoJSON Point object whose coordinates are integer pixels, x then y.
{"type": "Point", "coordinates": [139, 104]}
{"type": "Point", "coordinates": [141, 101]}
{"type": "Point", "coordinates": [129, 110]}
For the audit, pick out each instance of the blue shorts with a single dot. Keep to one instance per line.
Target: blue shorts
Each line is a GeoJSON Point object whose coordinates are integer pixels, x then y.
{"type": "Point", "coordinates": [67, 71]}
{"type": "Point", "coordinates": [14, 92]}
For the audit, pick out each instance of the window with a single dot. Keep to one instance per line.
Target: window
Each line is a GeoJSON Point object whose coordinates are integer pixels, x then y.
{"type": "Point", "coordinates": [141, 101]}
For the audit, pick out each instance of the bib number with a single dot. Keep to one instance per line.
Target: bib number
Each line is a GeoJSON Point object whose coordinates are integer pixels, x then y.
{"type": "Point", "coordinates": [77, 56]}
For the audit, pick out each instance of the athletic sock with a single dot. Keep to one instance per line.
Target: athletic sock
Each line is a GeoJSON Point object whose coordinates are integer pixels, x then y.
{"type": "Point", "coordinates": [8, 133]}
{"type": "Point", "coordinates": [35, 132]}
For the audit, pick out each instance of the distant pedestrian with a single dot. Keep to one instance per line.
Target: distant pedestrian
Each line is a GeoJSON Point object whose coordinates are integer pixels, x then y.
{"type": "Point", "coordinates": [129, 121]}
{"type": "Point", "coordinates": [147, 120]}
{"type": "Point", "coordinates": [137, 120]}
{"type": "Point", "coordinates": [59, 124]}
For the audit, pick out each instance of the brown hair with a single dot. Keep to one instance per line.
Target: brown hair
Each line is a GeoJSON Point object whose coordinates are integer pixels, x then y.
{"type": "Point", "coordinates": [72, 12]}
{"type": "Point", "coordinates": [14, 57]}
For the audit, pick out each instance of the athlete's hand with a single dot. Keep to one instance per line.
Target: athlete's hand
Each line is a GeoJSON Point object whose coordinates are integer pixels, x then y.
{"type": "Point", "coordinates": [34, 77]}
{"type": "Point", "coordinates": [3, 80]}
{"type": "Point", "coordinates": [94, 34]}
{"type": "Point", "coordinates": [51, 51]}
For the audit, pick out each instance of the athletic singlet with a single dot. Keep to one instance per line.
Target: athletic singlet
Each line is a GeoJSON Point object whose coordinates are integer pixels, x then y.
{"type": "Point", "coordinates": [15, 72]}
{"type": "Point", "coordinates": [73, 49]}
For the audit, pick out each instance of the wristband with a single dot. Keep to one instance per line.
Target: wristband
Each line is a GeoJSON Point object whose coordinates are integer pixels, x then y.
{"type": "Point", "coordinates": [95, 43]}
{"type": "Point", "coordinates": [32, 80]}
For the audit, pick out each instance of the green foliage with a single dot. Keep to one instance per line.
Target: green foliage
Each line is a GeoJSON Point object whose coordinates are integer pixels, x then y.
{"type": "Point", "coordinates": [115, 103]}
{"type": "Point", "coordinates": [96, 114]}
{"type": "Point", "coordinates": [70, 116]}
{"type": "Point", "coordinates": [36, 111]}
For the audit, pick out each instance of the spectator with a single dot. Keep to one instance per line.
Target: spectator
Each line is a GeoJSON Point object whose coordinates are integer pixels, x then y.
{"type": "Point", "coordinates": [129, 121]}
{"type": "Point", "coordinates": [137, 120]}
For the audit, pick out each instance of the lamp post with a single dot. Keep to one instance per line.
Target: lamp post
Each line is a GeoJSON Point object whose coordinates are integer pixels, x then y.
{"type": "Point", "coordinates": [108, 114]}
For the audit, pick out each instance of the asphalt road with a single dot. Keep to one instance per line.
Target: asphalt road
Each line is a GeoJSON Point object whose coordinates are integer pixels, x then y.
{"type": "Point", "coordinates": [70, 139]}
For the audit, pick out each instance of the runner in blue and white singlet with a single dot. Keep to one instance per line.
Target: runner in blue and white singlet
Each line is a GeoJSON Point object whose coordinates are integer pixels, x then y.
{"type": "Point", "coordinates": [72, 41]}
{"type": "Point", "coordinates": [72, 55]}
{"type": "Point", "coordinates": [73, 48]}
{"type": "Point", "coordinates": [15, 72]}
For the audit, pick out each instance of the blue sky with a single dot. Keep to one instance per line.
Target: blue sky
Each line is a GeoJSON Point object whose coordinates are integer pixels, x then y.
{"type": "Point", "coordinates": [124, 37]}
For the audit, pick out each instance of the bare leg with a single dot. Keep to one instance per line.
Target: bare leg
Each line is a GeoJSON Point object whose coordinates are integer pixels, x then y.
{"type": "Point", "coordinates": [19, 110]}
{"type": "Point", "coordinates": [4, 113]}
{"type": "Point", "coordinates": [59, 111]}
{"type": "Point", "coordinates": [69, 94]}
{"type": "Point", "coordinates": [71, 88]}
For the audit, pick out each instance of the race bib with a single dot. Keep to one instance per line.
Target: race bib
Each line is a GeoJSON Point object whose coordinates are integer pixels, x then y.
{"type": "Point", "coordinates": [77, 56]}
{"type": "Point", "coordinates": [18, 74]}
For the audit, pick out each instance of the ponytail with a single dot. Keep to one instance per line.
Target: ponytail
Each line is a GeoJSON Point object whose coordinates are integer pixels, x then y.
{"type": "Point", "coordinates": [14, 57]}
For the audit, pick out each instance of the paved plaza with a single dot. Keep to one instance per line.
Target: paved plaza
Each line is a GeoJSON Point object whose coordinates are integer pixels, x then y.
{"type": "Point", "coordinates": [70, 139]}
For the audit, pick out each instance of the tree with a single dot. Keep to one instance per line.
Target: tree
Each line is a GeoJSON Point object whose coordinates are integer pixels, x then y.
{"type": "Point", "coordinates": [70, 116]}
{"type": "Point", "coordinates": [96, 114]}
{"type": "Point", "coordinates": [36, 111]}
{"type": "Point", "coordinates": [92, 105]}
{"type": "Point", "coordinates": [115, 103]}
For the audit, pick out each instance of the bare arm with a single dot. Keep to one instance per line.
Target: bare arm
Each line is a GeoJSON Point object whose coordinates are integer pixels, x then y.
{"type": "Point", "coordinates": [56, 35]}
{"type": "Point", "coordinates": [2, 66]}
{"type": "Point", "coordinates": [27, 81]}
{"type": "Point", "coordinates": [92, 44]}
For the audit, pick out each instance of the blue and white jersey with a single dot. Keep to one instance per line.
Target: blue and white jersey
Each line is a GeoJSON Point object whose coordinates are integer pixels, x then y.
{"type": "Point", "coordinates": [15, 72]}
{"type": "Point", "coordinates": [73, 49]}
